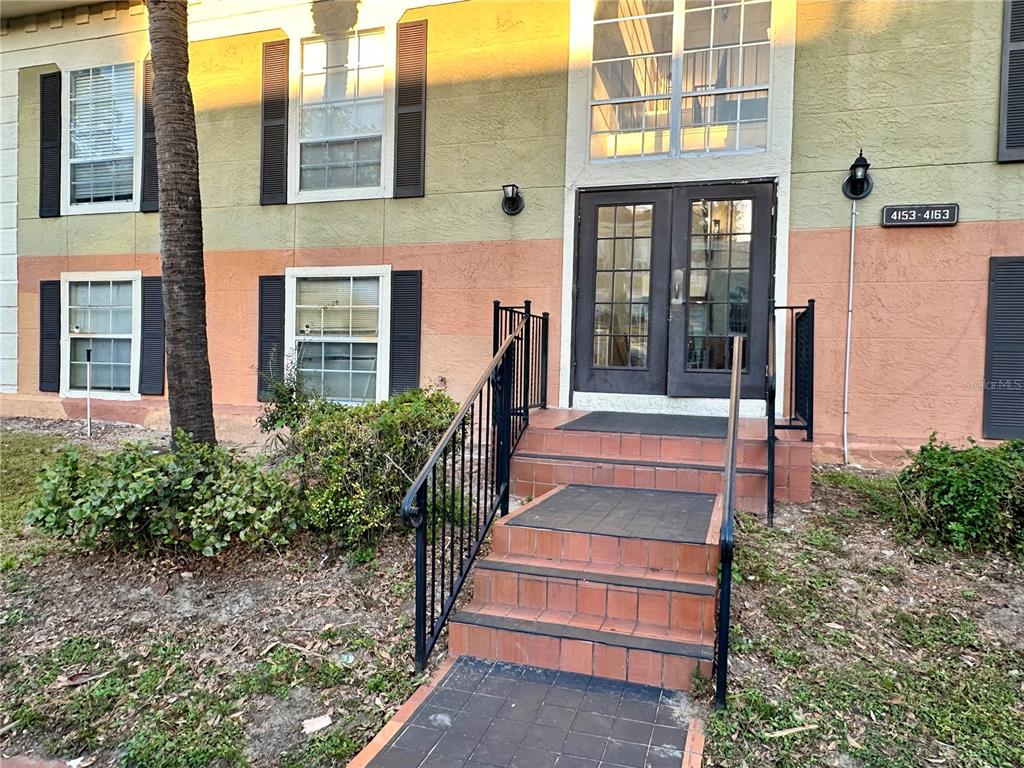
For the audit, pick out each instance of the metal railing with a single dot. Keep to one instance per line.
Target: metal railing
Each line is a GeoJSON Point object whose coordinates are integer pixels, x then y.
{"type": "Point", "coordinates": [726, 542]}
{"type": "Point", "coordinates": [536, 379]}
{"type": "Point", "coordinates": [798, 400]}
{"type": "Point", "coordinates": [466, 481]}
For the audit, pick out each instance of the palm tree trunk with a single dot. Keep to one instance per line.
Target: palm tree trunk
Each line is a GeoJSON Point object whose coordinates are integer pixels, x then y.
{"type": "Point", "coordinates": [189, 389]}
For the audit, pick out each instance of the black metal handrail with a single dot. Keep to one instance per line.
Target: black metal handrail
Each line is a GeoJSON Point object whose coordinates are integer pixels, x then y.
{"type": "Point", "coordinates": [507, 317]}
{"type": "Point", "coordinates": [798, 402]}
{"type": "Point", "coordinates": [466, 482]}
{"type": "Point", "coordinates": [727, 540]}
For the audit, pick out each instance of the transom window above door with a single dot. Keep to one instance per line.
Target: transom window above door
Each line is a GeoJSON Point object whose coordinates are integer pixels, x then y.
{"type": "Point", "coordinates": [341, 112]}
{"type": "Point", "coordinates": [675, 77]}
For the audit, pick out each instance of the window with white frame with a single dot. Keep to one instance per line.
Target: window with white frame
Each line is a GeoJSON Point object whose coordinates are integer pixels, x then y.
{"type": "Point", "coordinates": [339, 330]}
{"type": "Point", "coordinates": [341, 112]}
{"type": "Point", "coordinates": [101, 142]}
{"type": "Point", "coordinates": [673, 77]}
{"type": "Point", "coordinates": [101, 317]}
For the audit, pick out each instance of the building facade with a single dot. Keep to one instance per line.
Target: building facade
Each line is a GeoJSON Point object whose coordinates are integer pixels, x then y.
{"type": "Point", "coordinates": [681, 163]}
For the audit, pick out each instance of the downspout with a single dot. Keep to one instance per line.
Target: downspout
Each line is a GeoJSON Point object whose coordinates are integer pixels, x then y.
{"type": "Point", "coordinates": [849, 334]}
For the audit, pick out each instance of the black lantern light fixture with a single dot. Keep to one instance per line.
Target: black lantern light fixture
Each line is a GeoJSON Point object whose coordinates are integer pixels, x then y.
{"type": "Point", "coordinates": [858, 184]}
{"type": "Point", "coordinates": [512, 201]}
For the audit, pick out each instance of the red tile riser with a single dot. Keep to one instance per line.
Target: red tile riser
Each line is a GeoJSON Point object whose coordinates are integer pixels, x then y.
{"type": "Point", "coordinates": [616, 663]}
{"type": "Point", "coordinates": [577, 548]}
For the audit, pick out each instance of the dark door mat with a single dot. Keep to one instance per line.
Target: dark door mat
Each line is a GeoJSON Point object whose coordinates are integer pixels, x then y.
{"type": "Point", "coordinates": [677, 516]}
{"type": "Point", "coordinates": [662, 424]}
{"type": "Point", "coordinates": [486, 713]}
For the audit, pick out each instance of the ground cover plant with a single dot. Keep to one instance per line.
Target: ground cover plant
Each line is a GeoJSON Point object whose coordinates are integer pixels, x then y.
{"type": "Point", "coordinates": [201, 497]}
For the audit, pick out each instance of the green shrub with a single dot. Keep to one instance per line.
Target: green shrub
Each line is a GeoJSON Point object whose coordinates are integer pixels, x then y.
{"type": "Point", "coordinates": [291, 406]}
{"type": "Point", "coordinates": [200, 496]}
{"type": "Point", "coordinates": [971, 498]}
{"type": "Point", "coordinates": [358, 461]}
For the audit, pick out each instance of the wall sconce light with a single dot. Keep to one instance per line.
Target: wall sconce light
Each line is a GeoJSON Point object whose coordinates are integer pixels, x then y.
{"type": "Point", "coordinates": [858, 184]}
{"type": "Point", "coordinates": [512, 201]}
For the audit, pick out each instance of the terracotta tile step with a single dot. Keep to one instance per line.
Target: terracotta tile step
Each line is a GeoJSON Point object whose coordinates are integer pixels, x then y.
{"type": "Point", "coordinates": [614, 445]}
{"type": "Point", "coordinates": [681, 607]}
{"type": "Point", "coordinates": [535, 474]}
{"type": "Point", "coordinates": [604, 573]}
{"type": "Point", "coordinates": [717, 468]}
{"type": "Point", "coordinates": [573, 546]}
{"type": "Point", "coordinates": [640, 656]}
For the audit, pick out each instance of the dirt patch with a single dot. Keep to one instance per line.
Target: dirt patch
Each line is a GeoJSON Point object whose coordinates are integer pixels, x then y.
{"type": "Point", "coordinates": [110, 435]}
{"type": "Point", "coordinates": [270, 729]}
{"type": "Point", "coordinates": [282, 636]}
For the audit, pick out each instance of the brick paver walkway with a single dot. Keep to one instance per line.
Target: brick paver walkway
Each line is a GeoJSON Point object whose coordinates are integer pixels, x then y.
{"type": "Point", "coordinates": [486, 714]}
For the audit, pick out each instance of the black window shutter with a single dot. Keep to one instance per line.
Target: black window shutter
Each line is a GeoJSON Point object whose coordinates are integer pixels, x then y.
{"type": "Point", "coordinates": [49, 144]}
{"type": "Point", "coordinates": [151, 372]}
{"type": "Point", "coordinates": [1011, 106]}
{"type": "Point", "coordinates": [270, 365]}
{"type": "Point", "coordinates": [1004, 350]}
{"type": "Point", "coordinates": [150, 186]}
{"type": "Point", "coordinates": [274, 162]}
{"type": "Point", "coordinates": [406, 321]}
{"type": "Point", "coordinates": [49, 336]}
{"type": "Point", "coordinates": [410, 109]}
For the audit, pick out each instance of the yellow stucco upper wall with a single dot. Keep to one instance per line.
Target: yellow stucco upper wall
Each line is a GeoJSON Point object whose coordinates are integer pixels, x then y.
{"type": "Point", "coordinates": [496, 91]}
{"type": "Point", "coordinates": [916, 84]}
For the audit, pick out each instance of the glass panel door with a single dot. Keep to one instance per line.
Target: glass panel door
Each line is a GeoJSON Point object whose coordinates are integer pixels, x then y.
{"type": "Point", "coordinates": [721, 282]}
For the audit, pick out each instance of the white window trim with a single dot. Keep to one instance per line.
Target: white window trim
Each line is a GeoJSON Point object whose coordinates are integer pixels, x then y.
{"type": "Point", "coordinates": [135, 276]}
{"type": "Point", "coordinates": [296, 195]}
{"type": "Point", "coordinates": [291, 274]}
{"type": "Point", "coordinates": [676, 96]}
{"type": "Point", "coordinates": [67, 208]}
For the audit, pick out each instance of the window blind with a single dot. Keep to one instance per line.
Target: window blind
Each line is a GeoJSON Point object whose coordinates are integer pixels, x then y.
{"type": "Point", "coordinates": [102, 102]}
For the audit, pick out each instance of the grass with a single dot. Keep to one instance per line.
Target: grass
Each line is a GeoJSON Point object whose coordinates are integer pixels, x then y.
{"type": "Point", "coordinates": [21, 455]}
{"type": "Point", "coordinates": [886, 669]}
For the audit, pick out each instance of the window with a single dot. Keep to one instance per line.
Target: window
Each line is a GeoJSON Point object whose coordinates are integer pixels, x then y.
{"type": "Point", "coordinates": [673, 77]}
{"type": "Point", "coordinates": [101, 314]}
{"type": "Point", "coordinates": [339, 332]}
{"type": "Point", "coordinates": [719, 292]}
{"type": "Point", "coordinates": [101, 146]}
{"type": "Point", "coordinates": [622, 286]}
{"type": "Point", "coordinates": [341, 112]}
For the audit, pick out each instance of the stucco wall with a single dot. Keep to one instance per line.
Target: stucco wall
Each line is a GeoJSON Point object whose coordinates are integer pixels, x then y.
{"type": "Point", "coordinates": [496, 96]}
{"type": "Point", "coordinates": [916, 84]}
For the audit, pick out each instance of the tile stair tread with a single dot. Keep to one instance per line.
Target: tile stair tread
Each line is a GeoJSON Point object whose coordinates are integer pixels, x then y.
{"type": "Point", "coordinates": [603, 573]}
{"type": "Point", "coordinates": [538, 428]}
{"type": "Point", "coordinates": [555, 624]}
{"type": "Point", "coordinates": [638, 462]}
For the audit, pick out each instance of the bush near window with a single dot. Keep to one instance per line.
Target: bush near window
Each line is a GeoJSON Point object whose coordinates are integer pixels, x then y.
{"type": "Point", "coordinates": [358, 461]}
{"type": "Point", "coordinates": [970, 498]}
{"type": "Point", "coordinates": [201, 497]}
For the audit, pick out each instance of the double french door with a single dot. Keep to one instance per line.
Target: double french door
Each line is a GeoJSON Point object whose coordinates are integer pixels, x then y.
{"type": "Point", "coordinates": [665, 278]}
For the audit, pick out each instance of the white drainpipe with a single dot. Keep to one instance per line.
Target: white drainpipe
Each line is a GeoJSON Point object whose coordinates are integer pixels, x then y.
{"type": "Point", "coordinates": [849, 334]}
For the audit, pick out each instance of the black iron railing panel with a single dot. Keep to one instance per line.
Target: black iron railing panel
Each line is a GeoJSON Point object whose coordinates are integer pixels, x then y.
{"type": "Point", "coordinates": [467, 480]}
{"type": "Point", "coordinates": [803, 367]}
{"type": "Point", "coordinates": [535, 355]}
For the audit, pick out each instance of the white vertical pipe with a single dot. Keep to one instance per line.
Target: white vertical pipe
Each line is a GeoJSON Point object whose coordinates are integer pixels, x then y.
{"type": "Point", "coordinates": [88, 392]}
{"type": "Point", "coordinates": [849, 335]}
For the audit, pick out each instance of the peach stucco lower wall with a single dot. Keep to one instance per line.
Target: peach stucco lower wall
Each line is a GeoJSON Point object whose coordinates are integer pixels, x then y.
{"type": "Point", "coordinates": [460, 282]}
{"type": "Point", "coordinates": [919, 324]}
